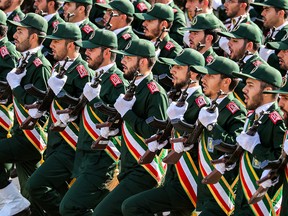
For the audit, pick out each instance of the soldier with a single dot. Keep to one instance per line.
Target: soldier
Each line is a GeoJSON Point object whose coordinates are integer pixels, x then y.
{"type": "Point", "coordinates": [24, 148]}
{"type": "Point", "coordinates": [90, 166]}
{"type": "Point", "coordinates": [225, 124]}
{"type": "Point", "coordinates": [120, 13]}
{"type": "Point", "coordinates": [178, 194]}
{"type": "Point", "coordinates": [13, 11]}
{"type": "Point", "coordinates": [48, 184]}
{"type": "Point", "coordinates": [134, 178]}
{"type": "Point", "coordinates": [157, 23]}
{"type": "Point", "coordinates": [265, 144]}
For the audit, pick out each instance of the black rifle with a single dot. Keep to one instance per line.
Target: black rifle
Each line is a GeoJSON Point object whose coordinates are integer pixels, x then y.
{"type": "Point", "coordinates": [108, 26]}
{"type": "Point", "coordinates": [159, 39]}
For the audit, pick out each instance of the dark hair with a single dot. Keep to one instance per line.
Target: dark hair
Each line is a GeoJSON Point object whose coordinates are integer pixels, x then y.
{"type": "Point", "coordinates": [247, 2]}
{"type": "Point", "coordinates": [169, 23]}
{"type": "Point", "coordinates": [86, 6]}
{"type": "Point", "coordinates": [214, 34]}
{"type": "Point", "coordinates": [112, 54]}
{"type": "Point", "coordinates": [129, 19]}
{"type": "Point", "coordinates": [285, 12]}
{"type": "Point", "coordinates": [3, 30]}
{"type": "Point", "coordinates": [77, 48]}
{"type": "Point", "coordinates": [38, 32]}
{"type": "Point", "coordinates": [255, 47]}
{"type": "Point", "coordinates": [57, 4]}
{"type": "Point", "coordinates": [234, 81]}
{"type": "Point", "coordinates": [264, 85]}
{"type": "Point", "coordinates": [151, 61]}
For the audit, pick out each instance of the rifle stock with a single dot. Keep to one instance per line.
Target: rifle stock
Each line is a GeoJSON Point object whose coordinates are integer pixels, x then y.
{"type": "Point", "coordinates": [32, 90]}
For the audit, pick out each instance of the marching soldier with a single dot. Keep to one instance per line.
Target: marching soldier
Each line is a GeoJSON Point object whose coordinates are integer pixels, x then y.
{"type": "Point", "coordinates": [25, 147]}
{"type": "Point", "coordinates": [48, 184]}
{"type": "Point", "coordinates": [138, 61]}
{"type": "Point", "coordinates": [90, 166]}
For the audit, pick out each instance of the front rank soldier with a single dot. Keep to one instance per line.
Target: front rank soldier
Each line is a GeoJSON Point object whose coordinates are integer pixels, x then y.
{"type": "Point", "coordinates": [157, 23]}
{"type": "Point", "coordinates": [224, 124]}
{"type": "Point", "coordinates": [150, 100]}
{"type": "Point", "coordinates": [25, 147]}
{"type": "Point", "coordinates": [177, 194]}
{"type": "Point", "coordinates": [48, 184]}
{"type": "Point", "coordinates": [90, 166]}
{"type": "Point", "coordinates": [265, 144]}
{"type": "Point", "coordinates": [13, 11]}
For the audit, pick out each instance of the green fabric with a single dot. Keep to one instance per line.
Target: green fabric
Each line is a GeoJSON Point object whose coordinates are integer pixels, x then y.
{"type": "Point", "coordinates": [65, 31]}
{"type": "Point", "coordinates": [158, 11]}
{"type": "Point", "coordinates": [16, 15]}
{"type": "Point", "coordinates": [85, 24]}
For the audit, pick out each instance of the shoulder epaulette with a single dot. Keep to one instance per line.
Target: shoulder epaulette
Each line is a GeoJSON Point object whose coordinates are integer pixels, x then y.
{"type": "Point", "coordinates": [55, 23]}
{"type": "Point", "coordinates": [4, 51]}
{"type": "Point", "coordinates": [126, 36]}
{"type": "Point", "coordinates": [200, 101]}
{"type": "Point", "coordinates": [115, 80]}
{"type": "Point", "coordinates": [152, 86]}
{"type": "Point", "coordinates": [169, 45]}
{"type": "Point", "coordinates": [16, 18]}
{"type": "Point", "coordinates": [82, 71]}
{"type": "Point", "coordinates": [141, 7]}
{"type": "Point", "coordinates": [175, 10]}
{"type": "Point", "coordinates": [37, 62]}
{"type": "Point", "coordinates": [209, 59]}
{"type": "Point", "coordinates": [87, 29]}
{"type": "Point", "coordinates": [101, 1]}
{"type": "Point", "coordinates": [232, 107]}
{"type": "Point", "coordinates": [256, 63]}
{"type": "Point", "coordinates": [275, 117]}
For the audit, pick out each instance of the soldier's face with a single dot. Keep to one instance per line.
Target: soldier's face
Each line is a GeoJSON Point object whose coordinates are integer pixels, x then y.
{"type": "Point", "coordinates": [59, 49]}
{"type": "Point", "coordinates": [191, 6]}
{"type": "Point", "coordinates": [180, 76]}
{"type": "Point", "coordinates": [114, 22]}
{"type": "Point", "coordinates": [283, 104]}
{"type": "Point", "coordinates": [70, 8]}
{"type": "Point", "coordinates": [270, 17]}
{"type": "Point", "coordinates": [237, 48]}
{"type": "Point", "coordinates": [40, 5]}
{"type": "Point", "coordinates": [21, 39]}
{"type": "Point", "coordinates": [195, 38]}
{"type": "Point", "coordinates": [283, 59]}
{"type": "Point", "coordinates": [152, 29]}
{"type": "Point", "coordinates": [5, 4]}
{"type": "Point", "coordinates": [253, 94]}
{"type": "Point", "coordinates": [130, 66]}
{"type": "Point", "coordinates": [94, 57]}
{"type": "Point", "coordinates": [232, 8]}
{"type": "Point", "coordinates": [211, 84]}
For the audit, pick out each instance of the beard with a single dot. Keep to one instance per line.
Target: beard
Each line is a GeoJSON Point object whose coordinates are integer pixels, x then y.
{"type": "Point", "coordinates": [129, 75]}
{"type": "Point", "coordinates": [6, 5]}
{"type": "Point", "coordinates": [256, 101]}
{"type": "Point", "coordinates": [97, 62]}
{"type": "Point", "coordinates": [154, 33]}
{"type": "Point", "coordinates": [182, 84]}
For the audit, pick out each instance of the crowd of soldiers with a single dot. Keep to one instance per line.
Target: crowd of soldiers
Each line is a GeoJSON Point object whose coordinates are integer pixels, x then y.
{"type": "Point", "coordinates": [144, 107]}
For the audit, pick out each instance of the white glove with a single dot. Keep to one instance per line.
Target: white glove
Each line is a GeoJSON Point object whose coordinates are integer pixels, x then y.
{"type": "Point", "coordinates": [90, 93]}
{"type": "Point", "coordinates": [162, 145]}
{"type": "Point", "coordinates": [35, 113]}
{"type": "Point", "coordinates": [179, 147]}
{"type": "Point", "coordinates": [14, 79]}
{"type": "Point", "coordinates": [248, 142]}
{"type": "Point", "coordinates": [123, 106]}
{"type": "Point", "coordinates": [206, 117]}
{"type": "Point", "coordinates": [106, 132]}
{"type": "Point", "coordinates": [56, 84]}
{"type": "Point", "coordinates": [65, 118]}
{"type": "Point", "coordinates": [153, 146]}
{"type": "Point", "coordinates": [268, 183]}
{"type": "Point", "coordinates": [285, 147]}
{"type": "Point", "coordinates": [222, 168]}
{"type": "Point", "coordinates": [175, 112]}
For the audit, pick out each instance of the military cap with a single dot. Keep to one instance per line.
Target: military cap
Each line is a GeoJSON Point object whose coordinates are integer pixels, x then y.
{"type": "Point", "coordinates": [282, 4]}
{"type": "Point", "coordinates": [244, 31]}
{"type": "Point", "coordinates": [66, 31]}
{"type": "Point", "coordinates": [278, 45]}
{"type": "Point", "coordinates": [3, 18]}
{"type": "Point", "coordinates": [263, 73]}
{"type": "Point", "coordinates": [80, 1]}
{"type": "Point", "coordinates": [219, 65]}
{"type": "Point", "coordinates": [282, 90]}
{"type": "Point", "coordinates": [32, 20]}
{"type": "Point", "coordinates": [187, 57]}
{"type": "Point", "coordinates": [138, 47]}
{"type": "Point", "coordinates": [158, 11]}
{"type": "Point", "coordinates": [202, 22]}
{"type": "Point", "coordinates": [125, 6]}
{"type": "Point", "coordinates": [100, 38]}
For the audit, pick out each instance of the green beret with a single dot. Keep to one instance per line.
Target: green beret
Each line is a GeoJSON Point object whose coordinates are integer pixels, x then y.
{"type": "Point", "coordinates": [66, 31]}
{"type": "Point", "coordinates": [125, 6]}
{"type": "Point", "coordinates": [158, 11]}
{"type": "Point", "coordinates": [282, 4]}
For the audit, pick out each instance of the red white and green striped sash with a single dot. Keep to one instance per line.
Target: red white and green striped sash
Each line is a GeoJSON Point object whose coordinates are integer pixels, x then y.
{"type": "Point", "coordinates": [6, 117]}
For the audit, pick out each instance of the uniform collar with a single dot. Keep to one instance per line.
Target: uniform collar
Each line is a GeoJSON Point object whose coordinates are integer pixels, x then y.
{"type": "Point", "coordinates": [69, 63]}
{"type": "Point", "coordinates": [138, 81]}
{"type": "Point", "coordinates": [48, 17]}
{"type": "Point", "coordinates": [191, 90]}
{"type": "Point", "coordinates": [264, 107]}
{"type": "Point", "coordinates": [117, 31]}
{"type": "Point", "coordinates": [31, 51]}
{"type": "Point", "coordinates": [80, 22]}
{"type": "Point", "coordinates": [105, 68]}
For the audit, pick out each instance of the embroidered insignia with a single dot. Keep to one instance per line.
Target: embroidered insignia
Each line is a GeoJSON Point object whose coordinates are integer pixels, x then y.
{"type": "Point", "coordinates": [37, 62]}
{"type": "Point", "coordinates": [209, 59]}
{"type": "Point", "coordinates": [200, 101]}
{"type": "Point", "coordinates": [255, 163]}
{"type": "Point", "coordinates": [87, 29]}
{"type": "Point", "coordinates": [126, 36]}
{"type": "Point", "coordinates": [257, 63]}
{"type": "Point", "coordinates": [175, 10]}
{"type": "Point", "coordinates": [141, 7]}
{"type": "Point", "coordinates": [210, 146]}
{"type": "Point", "coordinates": [82, 71]}
{"type": "Point", "coordinates": [250, 112]}
{"type": "Point", "coordinates": [16, 18]}
{"type": "Point", "coordinates": [232, 107]}
{"type": "Point", "coordinates": [115, 79]}
{"type": "Point", "coordinates": [153, 87]}
{"type": "Point", "coordinates": [55, 24]}
{"type": "Point", "coordinates": [101, 1]}
{"type": "Point", "coordinates": [4, 51]}
{"type": "Point", "coordinates": [275, 117]}
{"type": "Point", "coordinates": [169, 45]}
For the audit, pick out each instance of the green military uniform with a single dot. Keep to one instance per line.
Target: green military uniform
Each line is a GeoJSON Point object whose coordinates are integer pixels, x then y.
{"type": "Point", "coordinates": [48, 185]}
{"type": "Point", "coordinates": [16, 16]}
{"type": "Point", "coordinates": [208, 54]}
{"type": "Point", "coordinates": [135, 178]}
{"type": "Point", "coordinates": [91, 167]}
{"type": "Point", "coordinates": [96, 14]}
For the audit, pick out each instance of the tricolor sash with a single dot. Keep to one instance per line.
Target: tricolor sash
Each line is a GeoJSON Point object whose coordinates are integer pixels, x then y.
{"type": "Point", "coordinates": [36, 136]}
{"type": "Point", "coordinates": [6, 117]}
{"type": "Point", "coordinates": [70, 133]}
{"type": "Point", "coordinates": [137, 148]}
{"type": "Point", "coordinates": [90, 119]}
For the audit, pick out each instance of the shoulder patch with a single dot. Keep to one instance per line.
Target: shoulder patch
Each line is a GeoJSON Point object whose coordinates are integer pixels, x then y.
{"type": "Point", "coordinates": [82, 71]}
{"type": "Point", "coordinates": [141, 7]}
{"type": "Point", "coordinates": [126, 36]}
{"type": "Point", "coordinates": [257, 63]}
{"type": "Point", "coordinates": [4, 51]}
{"type": "Point", "coordinates": [169, 45]}
{"type": "Point", "coordinates": [275, 117]}
{"type": "Point", "coordinates": [37, 62]}
{"type": "Point", "coordinates": [55, 24]}
{"type": "Point", "coordinates": [250, 112]}
{"type": "Point", "coordinates": [100, 1]}
{"type": "Point", "coordinates": [200, 101]}
{"type": "Point", "coordinates": [16, 18]}
{"type": "Point", "coordinates": [209, 59]}
{"type": "Point", "coordinates": [232, 107]}
{"type": "Point", "coordinates": [115, 79]}
{"type": "Point", "coordinates": [87, 29]}
{"type": "Point", "coordinates": [175, 10]}
{"type": "Point", "coordinates": [152, 86]}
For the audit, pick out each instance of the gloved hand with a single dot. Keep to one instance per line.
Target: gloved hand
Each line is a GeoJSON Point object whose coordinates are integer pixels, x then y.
{"type": "Point", "coordinates": [222, 168]}
{"type": "Point", "coordinates": [285, 146]}
{"type": "Point", "coordinates": [65, 118]}
{"type": "Point", "coordinates": [106, 132]}
{"type": "Point", "coordinates": [123, 106]}
{"type": "Point", "coordinates": [90, 93]}
{"type": "Point", "coordinates": [35, 113]}
{"type": "Point", "coordinates": [268, 183]}
{"type": "Point", "coordinates": [248, 142]}
{"type": "Point", "coordinates": [56, 84]}
{"type": "Point", "coordinates": [153, 146]}
{"type": "Point", "coordinates": [206, 117]}
{"type": "Point", "coordinates": [179, 147]}
{"type": "Point", "coordinates": [14, 79]}
{"type": "Point", "coordinates": [175, 112]}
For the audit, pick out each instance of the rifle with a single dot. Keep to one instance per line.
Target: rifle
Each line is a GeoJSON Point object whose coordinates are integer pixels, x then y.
{"type": "Point", "coordinates": [229, 160]}
{"type": "Point", "coordinates": [41, 105]}
{"type": "Point", "coordinates": [190, 137]}
{"type": "Point", "coordinates": [108, 26]}
{"type": "Point", "coordinates": [276, 167]}
{"type": "Point", "coordinates": [162, 135]}
{"type": "Point", "coordinates": [114, 120]}
{"type": "Point", "coordinates": [159, 39]}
